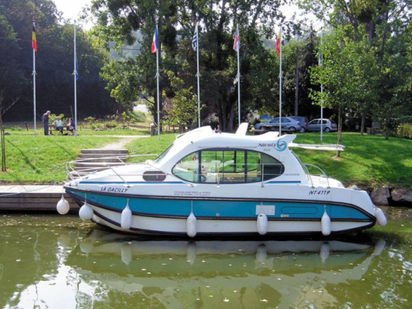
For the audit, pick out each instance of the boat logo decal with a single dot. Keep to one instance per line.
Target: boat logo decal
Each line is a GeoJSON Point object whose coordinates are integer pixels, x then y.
{"type": "Point", "coordinates": [113, 189]}
{"type": "Point", "coordinates": [281, 145]}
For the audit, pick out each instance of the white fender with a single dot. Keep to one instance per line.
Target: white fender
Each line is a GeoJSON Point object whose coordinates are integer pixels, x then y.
{"type": "Point", "coordinates": [191, 253]}
{"type": "Point", "coordinates": [86, 246]}
{"type": "Point", "coordinates": [261, 254]}
{"type": "Point", "coordinates": [191, 225]}
{"type": "Point", "coordinates": [62, 206]}
{"type": "Point", "coordinates": [324, 251]}
{"type": "Point", "coordinates": [379, 247]}
{"type": "Point", "coordinates": [126, 218]}
{"type": "Point", "coordinates": [326, 226]}
{"type": "Point", "coordinates": [380, 216]}
{"type": "Point", "coordinates": [126, 254]}
{"type": "Point", "coordinates": [262, 224]}
{"type": "Point", "coordinates": [86, 212]}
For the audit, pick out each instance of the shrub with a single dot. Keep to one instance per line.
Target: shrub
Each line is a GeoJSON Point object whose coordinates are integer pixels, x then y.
{"type": "Point", "coordinates": [405, 119]}
{"type": "Point", "coordinates": [405, 130]}
{"type": "Point", "coordinates": [90, 119]}
{"type": "Point", "coordinates": [97, 126]}
{"type": "Point", "coordinates": [110, 124]}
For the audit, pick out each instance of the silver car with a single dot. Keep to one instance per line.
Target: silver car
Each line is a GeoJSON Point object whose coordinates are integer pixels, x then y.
{"type": "Point", "coordinates": [288, 124]}
{"type": "Point", "coordinates": [327, 125]}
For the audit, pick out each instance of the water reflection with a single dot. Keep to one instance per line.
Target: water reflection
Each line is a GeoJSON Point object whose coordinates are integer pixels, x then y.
{"type": "Point", "coordinates": [206, 273]}
{"type": "Point", "coordinates": [64, 263]}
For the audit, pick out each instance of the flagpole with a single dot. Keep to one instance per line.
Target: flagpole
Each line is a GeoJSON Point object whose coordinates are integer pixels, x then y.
{"type": "Point", "coordinates": [198, 76]}
{"type": "Point", "coordinates": [280, 82]}
{"type": "Point", "coordinates": [34, 86]}
{"type": "Point", "coordinates": [157, 83]}
{"type": "Point", "coordinates": [321, 94]}
{"type": "Point", "coordinates": [75, 78]}
{"type": "Point", "coordinates": [238, 76]}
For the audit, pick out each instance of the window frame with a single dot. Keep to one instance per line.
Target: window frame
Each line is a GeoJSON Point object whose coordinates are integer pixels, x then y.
{"type": "Point", "coordinates": [245, 170]}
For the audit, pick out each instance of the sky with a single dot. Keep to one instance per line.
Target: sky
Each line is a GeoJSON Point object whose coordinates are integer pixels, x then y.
{"type": "Point", "coordinates": [71, 9]}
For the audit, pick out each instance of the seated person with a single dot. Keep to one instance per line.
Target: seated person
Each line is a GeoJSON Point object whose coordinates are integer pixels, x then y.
{"type": "Point", "coordinates": [71, 126]}
{"type": "Point", "coordinates": [58, 124]}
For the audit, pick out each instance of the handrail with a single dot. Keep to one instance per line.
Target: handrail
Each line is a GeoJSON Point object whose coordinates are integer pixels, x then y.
{"type": "Point", "coordinates": [72, 173]}
{"type": "Point", "coordinates": [320, 169]}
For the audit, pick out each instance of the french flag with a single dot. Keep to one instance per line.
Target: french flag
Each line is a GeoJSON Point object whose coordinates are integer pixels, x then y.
{"type": "Point", "coordinates": [155, 43]}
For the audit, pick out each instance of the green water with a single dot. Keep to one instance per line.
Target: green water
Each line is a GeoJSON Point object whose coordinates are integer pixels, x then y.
{"type": "Point", "coordinates": [61, 262]}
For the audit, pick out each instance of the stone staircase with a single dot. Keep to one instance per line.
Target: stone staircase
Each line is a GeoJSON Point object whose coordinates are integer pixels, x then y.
{"type": "Point", "coordinates": [91, 160]}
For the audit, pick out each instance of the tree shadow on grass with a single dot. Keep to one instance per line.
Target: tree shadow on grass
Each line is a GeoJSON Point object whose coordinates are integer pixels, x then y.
{"type": "Point", "coordinates": [56, 143]}
{"type": "Point", "coordinates": [26, 159]}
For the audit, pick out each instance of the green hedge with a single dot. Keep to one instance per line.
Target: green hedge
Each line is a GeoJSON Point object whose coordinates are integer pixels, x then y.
{"type": "Point", "coordinates": [405, 130]}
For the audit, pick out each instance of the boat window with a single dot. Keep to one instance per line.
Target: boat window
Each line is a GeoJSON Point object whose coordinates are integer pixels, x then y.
{"type": "Point", "coordinates": [163, 154]}
{"type": "Point", "coordinates": [221, 166]}
{"type": "Point", "coordinates": [227, 166]}
{"type": "Point", "coordinates": [155, 176]}
{"type": "Point", "coordinates": [188, 168]}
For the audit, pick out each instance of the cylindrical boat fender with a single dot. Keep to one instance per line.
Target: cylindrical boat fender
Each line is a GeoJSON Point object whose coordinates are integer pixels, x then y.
{"type": "Point", "coordinates": [191, 225]}
{"type": "Point", "coordinates": [191, 252]}
{"type": "Point", "coordinates": [62, 206]}
{"type": "Point", "coordinates": [380, 216]}
{"type": "Point", "coordinates": [326, 225]}
{"type": "Point", "coordinates": [126, 254]}
{"type": "Point", "coordinates": [262, 224]}
{"type": "Point", "coordinates": [86, 246]}
{"type": "Point", "coordinates": [261, 254]}
{"type": "Point", "coordinates": [126, 218]}
{"type": "Point", "coordinates": [86, 212]}
{"type": "Point", "coordinates": [324, 251]}
{"type": "Point", "coordinates": [379, 247]}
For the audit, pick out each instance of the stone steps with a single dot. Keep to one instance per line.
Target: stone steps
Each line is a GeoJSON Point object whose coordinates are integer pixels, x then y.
{"type": "Point", "coordinates": [91, 160]}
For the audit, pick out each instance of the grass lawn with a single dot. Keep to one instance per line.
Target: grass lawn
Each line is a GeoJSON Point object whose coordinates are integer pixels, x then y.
{"type": "Point", "coordinates": [368, 160]}
{"type": "Point", "coordinates": [41, 159]}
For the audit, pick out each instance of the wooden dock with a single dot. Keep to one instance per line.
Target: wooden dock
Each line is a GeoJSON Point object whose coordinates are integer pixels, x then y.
{"type": "Point", "coordinates": [33, 198]}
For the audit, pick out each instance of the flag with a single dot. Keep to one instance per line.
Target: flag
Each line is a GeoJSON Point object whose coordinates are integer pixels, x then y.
{"type": "Point", "coordinates": [236, 42]}
{"type": "Point", "coordinates": [33, 39]}
{"type": "Point", "coordinates": [194, 39]}
{"type": "Point", "coordinates": [155, 43]}
{"type": "Point", "coordinates": [278, 44]}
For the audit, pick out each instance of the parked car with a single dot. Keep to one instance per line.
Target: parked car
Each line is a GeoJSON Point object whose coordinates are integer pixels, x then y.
{"type": "Point", "coordinates": [288, 124]}
{"type": "Point", "coordinates": [303, 121]}
{"type": "Point", "coordinates": [327, 125]}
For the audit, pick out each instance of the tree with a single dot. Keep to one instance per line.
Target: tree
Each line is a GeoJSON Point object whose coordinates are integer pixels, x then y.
{"type": "Point", "coordinates": [54, 63]}
{"type": "Point", "coordinates": [376, 30]}
{"type": "Point", "coordinates": [176, 19]}
{"type": "Point", "coordinates": [183, 109]}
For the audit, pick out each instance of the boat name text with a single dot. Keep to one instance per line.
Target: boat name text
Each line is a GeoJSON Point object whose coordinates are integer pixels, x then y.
{"type": "Point", "coordinates": [113, 189]}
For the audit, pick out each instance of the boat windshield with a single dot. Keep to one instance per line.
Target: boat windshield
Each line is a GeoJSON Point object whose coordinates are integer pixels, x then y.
{"type": "Point", "coordinates": [163, 154]}
{"type": "Point", "coordinates": [305, 169]}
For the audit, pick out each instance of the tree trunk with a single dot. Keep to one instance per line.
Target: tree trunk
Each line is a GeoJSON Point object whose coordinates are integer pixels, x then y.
{"type": "Point", "coordinates": [339, 129]}
{"type": "Point", "coordinates": [362, 125]}
{"type": "Point", "coordinates": [297, 83]}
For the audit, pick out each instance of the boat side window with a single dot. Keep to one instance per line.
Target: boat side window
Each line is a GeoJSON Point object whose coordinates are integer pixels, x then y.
{"type": "Point", "coordinates": [223, 166]}
{"type": "Point", "coordinates": [188, 168]}
{"type": "Point", "coordinates": [227, 166]}
{"type": "Point", "coordinates": [259, 164]}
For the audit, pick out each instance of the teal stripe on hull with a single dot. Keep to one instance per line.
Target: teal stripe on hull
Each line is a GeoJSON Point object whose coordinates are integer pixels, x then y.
{"type": "Point", "coordinates": [221, 208]}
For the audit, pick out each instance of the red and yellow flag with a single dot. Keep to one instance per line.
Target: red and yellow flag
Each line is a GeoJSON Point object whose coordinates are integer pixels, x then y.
{"type": "Point", "coordinates": [278, 44]}
{"type": "Point", "coordinates": [33, 39]}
